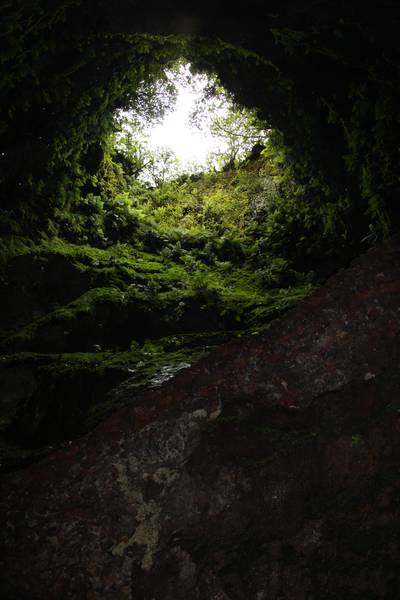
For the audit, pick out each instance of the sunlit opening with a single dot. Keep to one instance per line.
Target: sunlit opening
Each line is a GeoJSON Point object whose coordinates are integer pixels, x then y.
{"type": "Point", "coordinates": [201, 128]}
{"type": "Point", "coordinates": [191, 145]}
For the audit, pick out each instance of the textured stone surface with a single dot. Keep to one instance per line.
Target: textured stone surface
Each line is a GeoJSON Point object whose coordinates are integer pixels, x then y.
{"type": "Point", "coordinates": [268, 471]}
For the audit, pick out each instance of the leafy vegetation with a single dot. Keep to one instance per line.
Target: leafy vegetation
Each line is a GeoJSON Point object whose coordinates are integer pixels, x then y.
{"type": "Point", "coordinates": [65, 73]}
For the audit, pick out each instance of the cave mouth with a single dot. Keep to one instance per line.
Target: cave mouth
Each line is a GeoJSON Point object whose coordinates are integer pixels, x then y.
{"type": "Point", "coordinates": [322, 75]}
{"type": "Point", "coordinates": [134, 281]}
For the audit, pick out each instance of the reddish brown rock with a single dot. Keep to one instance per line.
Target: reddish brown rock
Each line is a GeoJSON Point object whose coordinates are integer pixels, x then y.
{"type": "Point", "coordinates": [268, 471]}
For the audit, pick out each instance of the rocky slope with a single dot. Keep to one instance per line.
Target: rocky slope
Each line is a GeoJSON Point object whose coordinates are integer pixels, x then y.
{"type": "Point", "coordinates": [78, 320]}
{"type": "Point", "coordinates": [268, 470]}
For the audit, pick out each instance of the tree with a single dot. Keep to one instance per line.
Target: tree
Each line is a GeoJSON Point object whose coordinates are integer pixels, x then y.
{"type": "Point", "coordinates": [237, 127]}
{"type": "Point", "coordinates": [162, 165]}
{"type": "Point", "coordinates": [138, 160]}
{"type": "Point", "coordinates": [129, 145]}
{"type": "Point", "coordinates": [147, 107]}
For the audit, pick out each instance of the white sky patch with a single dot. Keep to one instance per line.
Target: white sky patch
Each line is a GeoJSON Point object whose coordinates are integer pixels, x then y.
{"type": "Point", "coordinates": [190, 145]}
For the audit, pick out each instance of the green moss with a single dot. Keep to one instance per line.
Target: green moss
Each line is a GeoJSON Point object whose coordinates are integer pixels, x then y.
{"type": "Point", "coordinates": [138, 282]}
{"type": "Point", "coordinates": [84, 306]}
{"type": "Point", "coordinates": [357, 440]}
{"type": "Point", "coordinates": [73, 392]}
{"type": "Point", "coordinates": [5, 423]}
{"type": "Point", "coordinates": [11, 246]}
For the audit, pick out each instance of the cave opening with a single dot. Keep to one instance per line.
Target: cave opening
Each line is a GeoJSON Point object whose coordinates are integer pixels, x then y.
{"type": "Point", "coordinates": [190, 124]}
{"type": "Point", "coordinates": [320, 74]}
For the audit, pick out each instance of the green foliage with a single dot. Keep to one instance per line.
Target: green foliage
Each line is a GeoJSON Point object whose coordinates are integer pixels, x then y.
{"type": "Point", "coordinates": [325, 76]}
{"type": "Point", "coordinates": [69, 110]}
{"type": "Point", "coordinates": [257, 211]}
{"type": "Point", "coordinates": [236, 126]}
{"type": "Point", "coordinates": [218, 251]}
{"type": "Point", "coordinates": [194, 255]}
{"type": "Point", "coordinates": [357, 440]}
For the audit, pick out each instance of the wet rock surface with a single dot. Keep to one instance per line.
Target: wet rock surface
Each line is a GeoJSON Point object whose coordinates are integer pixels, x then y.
{"type": "Point", "coordinates": [268, 470]}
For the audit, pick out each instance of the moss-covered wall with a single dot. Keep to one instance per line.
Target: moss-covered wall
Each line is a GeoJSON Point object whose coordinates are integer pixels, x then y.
{"type": "Point", "coordinates": [326, 74]}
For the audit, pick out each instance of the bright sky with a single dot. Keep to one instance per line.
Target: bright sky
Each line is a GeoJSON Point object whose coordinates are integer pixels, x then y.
{"type": "Point", "coordinates": [189, 144]}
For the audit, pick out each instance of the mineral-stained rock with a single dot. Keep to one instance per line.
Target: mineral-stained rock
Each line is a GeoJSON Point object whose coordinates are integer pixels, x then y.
{"type": "Point", "coordinates": [268, 471]}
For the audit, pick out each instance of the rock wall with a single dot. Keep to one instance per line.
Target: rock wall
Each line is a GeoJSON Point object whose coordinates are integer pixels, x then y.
{"type": "Point", "coordinates": [268, 471]}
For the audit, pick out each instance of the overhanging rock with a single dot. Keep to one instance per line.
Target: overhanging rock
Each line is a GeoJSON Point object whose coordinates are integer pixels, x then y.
{"type": "Point", "coordinates": [269, 470]}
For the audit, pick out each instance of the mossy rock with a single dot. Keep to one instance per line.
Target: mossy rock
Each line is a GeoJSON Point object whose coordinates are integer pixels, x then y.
{"type": "Point", "coordinates": [48, 399]}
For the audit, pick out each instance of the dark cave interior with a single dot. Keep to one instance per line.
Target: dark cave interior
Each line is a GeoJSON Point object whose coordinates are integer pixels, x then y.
{"type": "Point", "coordinates": [142, 455]}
